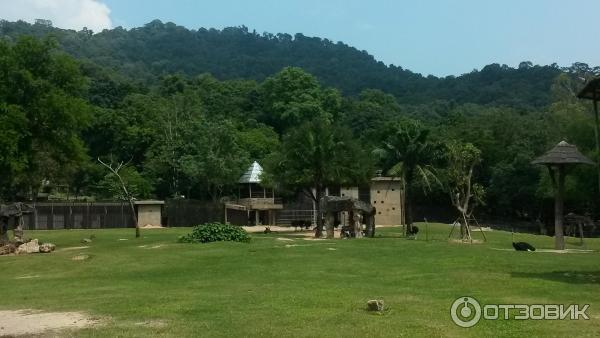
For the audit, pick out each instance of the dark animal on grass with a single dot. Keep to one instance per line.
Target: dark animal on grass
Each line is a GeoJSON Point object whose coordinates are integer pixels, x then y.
{"type": "Point", "coordinates": [301, 224]}
{"type": "Point", "coordinates": [412, 230]}
{"type": "Point", "coordinates": [267, 230]}
{"type": "Point", "coordinates": [521, 246]}
{"type": "Point", "coordinates": [346, 232]}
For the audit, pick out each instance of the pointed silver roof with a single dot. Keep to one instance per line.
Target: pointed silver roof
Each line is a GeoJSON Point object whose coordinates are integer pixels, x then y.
{"type": "Point", "coordinates": [252, 175]}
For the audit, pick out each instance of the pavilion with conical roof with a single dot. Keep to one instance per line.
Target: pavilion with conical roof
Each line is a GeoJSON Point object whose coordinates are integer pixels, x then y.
{"type": "Point", "coordinates": [258, 201]}
{"type": "Point", "coordinates": [558, 159]}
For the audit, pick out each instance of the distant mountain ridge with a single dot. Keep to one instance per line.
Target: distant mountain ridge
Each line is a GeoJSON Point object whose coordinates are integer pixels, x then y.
{"type": "Point", "coordinates": [156, 49]}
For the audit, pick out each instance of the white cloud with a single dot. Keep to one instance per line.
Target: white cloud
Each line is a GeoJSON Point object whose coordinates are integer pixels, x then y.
{"type": "Point", "coordinates": [73, 14]}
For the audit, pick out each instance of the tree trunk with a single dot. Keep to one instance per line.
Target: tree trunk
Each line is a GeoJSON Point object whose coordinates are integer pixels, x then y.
{"type": "Point", "coordinates": [465, 231]}
{"type": "Point", "coordinates": [319, 230]}
{"type": "Point", "coordinates": [409, 211]}
{"type": "Point", "coordinates": [597, 137]}
{"type": "Point", "coordinates": [3, 230]}
{"type": "Point", "coordinates": [135, 219]}
{"type": "Point", "coordinates": [370, 222]}
{"type": "Point", "coordinates": [559, 239]}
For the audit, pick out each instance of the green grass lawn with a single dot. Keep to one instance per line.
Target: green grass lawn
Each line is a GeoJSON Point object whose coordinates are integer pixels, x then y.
{"type": "Point", "coordinates": [304, 289]}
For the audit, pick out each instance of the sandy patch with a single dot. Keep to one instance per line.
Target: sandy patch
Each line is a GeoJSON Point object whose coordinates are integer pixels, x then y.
{"type": "Point", "coordinates": [28, 322]}
{"type": "Point", "coordinates": [147, 246]}
{"type": "Point", "coordinates": [80, 257]}
{"type": "Point", "coordinates": [284, 239]}
{"type": "Point", "coordinates": [274, 228]}
{"type": "Point", "coordinates": [566, 251]}
{"type": "Point", "coordinates": [313, 244]}
{"type": "Point", "coordinates": [317, 239]}
{"type": "Point", "coordinates": [27, 277]}
{"type": "Point", "coordinates": [460, 241]}
{"type": "Point", "coordinates": [123, 239]}
{"type": "Point", "coordinates": [152, 323]}
{"type": "Point", "coordinates": [331, 249]}
{"type": "Point", "coordinates": [150, 226]}
{"type": "Point", "coordinates": [73, 248]}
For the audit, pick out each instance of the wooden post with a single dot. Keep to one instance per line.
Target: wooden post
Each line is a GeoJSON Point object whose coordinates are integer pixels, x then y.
{"type": "Point", "coordinates": [597, 135]}
{"type": "Point", "coordinates": [559, 239]}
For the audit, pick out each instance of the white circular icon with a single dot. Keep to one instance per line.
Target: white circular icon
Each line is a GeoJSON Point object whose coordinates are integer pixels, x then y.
{"type": "Point", "coordinates": [465, 311]}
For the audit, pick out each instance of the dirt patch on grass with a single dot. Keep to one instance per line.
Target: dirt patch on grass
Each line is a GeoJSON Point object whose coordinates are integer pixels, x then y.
{"type": "Point", "coordinates": [150, 226]}
{"type": "Point", "coordinates": [565, 251]}
{"type": "Point", "coordinates": [80, 257]}
{"type": "Point", "coordinates": [30, 322]}
{"type": "Point", "coordinates": [73, 248]}
{"type": "Point", "coordinates": [152, 323]}
{"type": "Point", "coordinates": [27, 277]}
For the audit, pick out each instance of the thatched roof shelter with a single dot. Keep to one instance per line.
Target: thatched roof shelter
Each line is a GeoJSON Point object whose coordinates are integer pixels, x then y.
{"type": "Point", "coordinates": [563, 153]}
{"type": "Point", "coordinates": [557, 160]}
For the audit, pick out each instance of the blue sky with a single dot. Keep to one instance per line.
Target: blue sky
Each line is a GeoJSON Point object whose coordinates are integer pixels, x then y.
{"type": "Point", "coordinates": [431, 37]}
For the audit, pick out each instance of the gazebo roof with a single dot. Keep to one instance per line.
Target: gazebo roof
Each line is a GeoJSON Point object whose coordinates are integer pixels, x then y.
{"type": "Point", "coordinates": [252, 175]}
{"type": "Point", "coordinates": [563, 153]}
{"type": "Point", "coordinates": [591, 91]}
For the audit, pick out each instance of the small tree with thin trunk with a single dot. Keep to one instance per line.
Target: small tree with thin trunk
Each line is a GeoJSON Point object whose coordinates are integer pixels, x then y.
{"type": "Point", "coordinates": [462, 158]}
{"type": "Point", "coordinates": [115, 169]}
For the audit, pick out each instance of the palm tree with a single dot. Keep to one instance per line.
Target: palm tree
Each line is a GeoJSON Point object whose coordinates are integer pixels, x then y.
{"type": "Point", "coordinates": [408, 153]}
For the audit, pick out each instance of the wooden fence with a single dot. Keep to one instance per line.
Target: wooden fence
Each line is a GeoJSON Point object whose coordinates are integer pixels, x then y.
{"type": "Point", "coordinates": [77, 215]}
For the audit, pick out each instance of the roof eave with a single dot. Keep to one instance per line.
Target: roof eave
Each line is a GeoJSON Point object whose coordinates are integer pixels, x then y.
{"type": "Point", "coordinates": [591, 91]}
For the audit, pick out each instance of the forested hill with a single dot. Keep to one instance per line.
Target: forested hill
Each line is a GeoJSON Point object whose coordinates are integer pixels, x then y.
{"type": "Point", "coordinates": [156, 49]}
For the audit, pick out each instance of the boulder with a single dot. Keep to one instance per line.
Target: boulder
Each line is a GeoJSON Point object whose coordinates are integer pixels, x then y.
{"type": "Point", "coordinates": [375, 305]}
{"type": "Point", "coordinates": [29, 247]}
{"type": "Point", "coordinates": [47, 247]}
{"type": "Point", "coordinates": [7, 249]}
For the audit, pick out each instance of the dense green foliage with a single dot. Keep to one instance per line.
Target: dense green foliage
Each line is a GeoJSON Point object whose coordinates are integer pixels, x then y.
{"type": "Point", "coordinates": [149, 52]}
{"type": "Point", "coordinates": [42, 113]}
{"type": "Point", "coordinates": [215, 232]}
{"type": "Point", "coordinates": [188, 110]}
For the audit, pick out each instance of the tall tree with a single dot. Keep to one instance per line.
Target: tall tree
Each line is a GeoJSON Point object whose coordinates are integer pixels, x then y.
{"type": "Point", "coordinates": [293, 96]}
{"type": "Point", "coordinates": [408, 153]}
{"type": "Point", "coordinates": [316, 155]}
{"type": "Point", "coordinates": [41, 97]}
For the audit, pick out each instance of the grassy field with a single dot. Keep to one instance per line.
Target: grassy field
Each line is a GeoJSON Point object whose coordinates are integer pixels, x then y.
{"type": "Point", "coordinates": [299, 288]}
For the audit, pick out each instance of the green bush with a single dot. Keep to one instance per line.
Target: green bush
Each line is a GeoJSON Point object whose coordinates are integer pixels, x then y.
{"type": "Point", "coordinates": [215, 232]}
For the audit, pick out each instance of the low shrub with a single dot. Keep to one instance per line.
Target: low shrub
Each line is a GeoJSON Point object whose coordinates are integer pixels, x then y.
{"type": "Point", "coordinates": [215, 232]}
